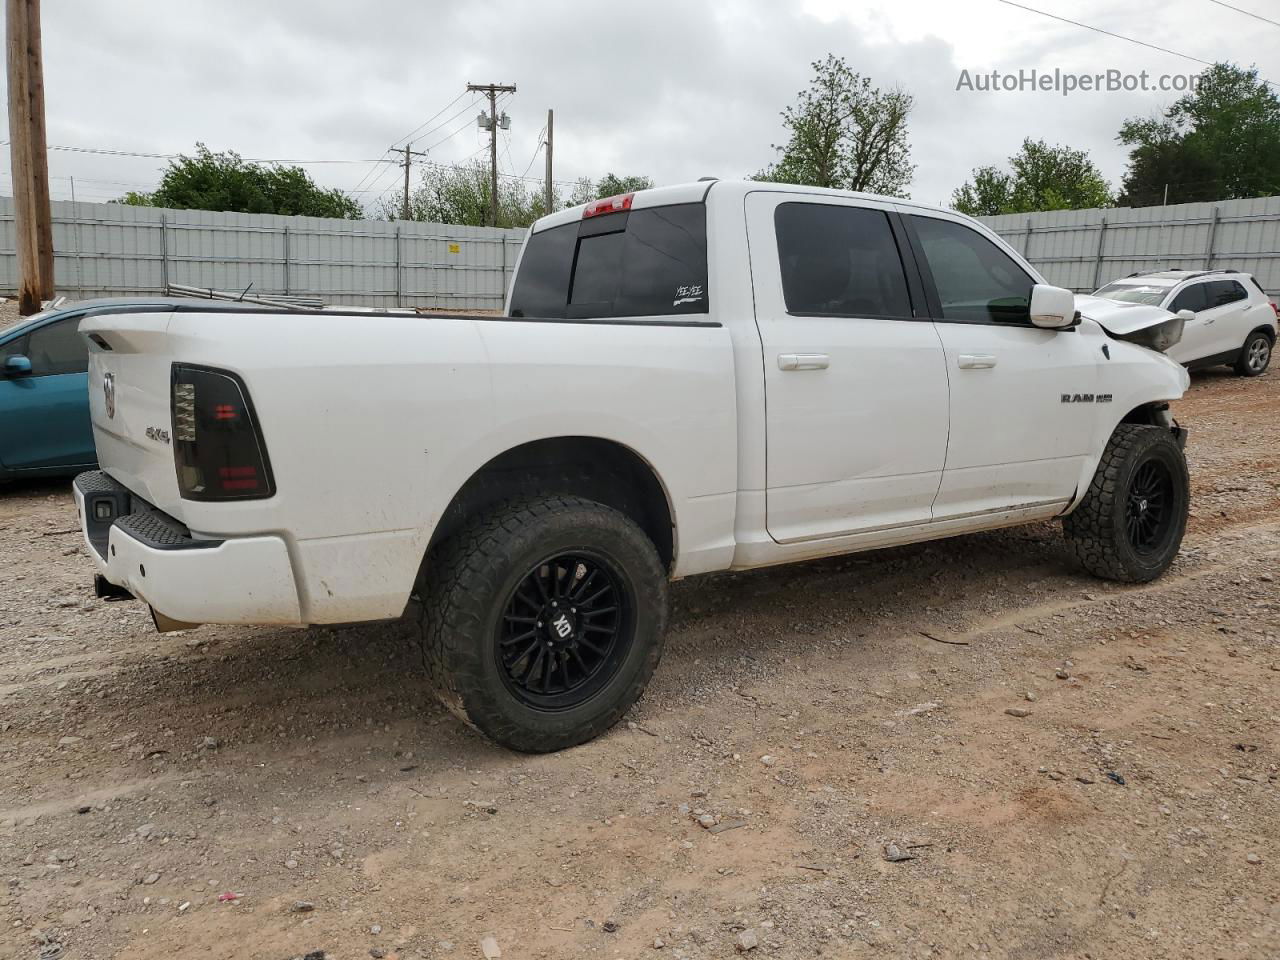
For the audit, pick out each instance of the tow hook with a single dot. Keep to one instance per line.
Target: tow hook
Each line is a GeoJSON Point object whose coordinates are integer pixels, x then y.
{"type": "Point", "coordinates": [104, 589]}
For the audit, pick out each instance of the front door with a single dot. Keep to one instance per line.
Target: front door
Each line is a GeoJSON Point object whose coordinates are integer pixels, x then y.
{"type": "Point", "coordinates": [1023, 399]}
{"type": "Point", "coordinates": [1198, 332]}
{"type": "Point", "coordinates": [44, 415]}
{"type": "Point", "coordinates": [855, 386]}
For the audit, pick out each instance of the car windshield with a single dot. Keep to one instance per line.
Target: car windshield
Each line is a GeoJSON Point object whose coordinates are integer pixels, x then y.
{"type": "Point", "coordinates": [1133, 293]}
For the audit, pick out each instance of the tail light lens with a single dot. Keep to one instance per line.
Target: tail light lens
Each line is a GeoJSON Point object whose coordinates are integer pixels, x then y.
{"type": "Point", "coordinates": [605, 205]}
{"type": "Point", "coordinates": [217, 444]}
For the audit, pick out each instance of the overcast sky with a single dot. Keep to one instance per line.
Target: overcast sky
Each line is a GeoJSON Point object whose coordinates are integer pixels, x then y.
{"type": "Point", "coordinates": [674, 89]}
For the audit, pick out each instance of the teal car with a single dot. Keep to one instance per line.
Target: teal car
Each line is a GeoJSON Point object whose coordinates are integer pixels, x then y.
{"type": "Point", "coordinates": [44, 399]}
{"type": "Point", "coordinates": [44, 387]}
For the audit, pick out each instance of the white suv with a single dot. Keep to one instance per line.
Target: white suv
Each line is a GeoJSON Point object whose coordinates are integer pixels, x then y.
{"type": "Point", "coordinates": [1234, 322]}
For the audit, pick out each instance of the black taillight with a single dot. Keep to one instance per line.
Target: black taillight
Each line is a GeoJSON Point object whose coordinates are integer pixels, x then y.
{"type": "Point", "coordinates": [217, 444]}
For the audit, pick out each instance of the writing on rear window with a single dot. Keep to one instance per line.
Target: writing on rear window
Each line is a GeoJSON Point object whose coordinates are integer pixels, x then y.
{"type": "Point", "coordinates": [687, 294]}
{"type": "Point", "coordinates": [647, 262]}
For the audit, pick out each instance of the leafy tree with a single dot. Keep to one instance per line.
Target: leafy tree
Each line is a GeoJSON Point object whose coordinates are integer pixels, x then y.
{"type": "Point", "coordinates": [460, 194]}
{"type": "Point", "coordinates": [610, 185]}
{"type": "Point", "coordinates": [1041, 177]}
{"type": "Point", "coordinates": [223, 181]}
{"type": "Point", "coordinates": [1220, 142]}
{"type": "Point", "coordinates": [845, 133]}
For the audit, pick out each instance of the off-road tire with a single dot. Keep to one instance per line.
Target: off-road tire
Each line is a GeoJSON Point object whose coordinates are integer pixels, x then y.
{"type": "Point", "coordinates": [467, 583]}
{"type": "Point", "coordinates": [1255, 355]}
{"type": "Point", "coordinates": [1098, 529]}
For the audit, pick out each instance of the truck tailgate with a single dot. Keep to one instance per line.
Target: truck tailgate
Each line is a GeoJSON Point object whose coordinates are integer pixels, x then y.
{"type": "Point", "coordinates": [129, 385]}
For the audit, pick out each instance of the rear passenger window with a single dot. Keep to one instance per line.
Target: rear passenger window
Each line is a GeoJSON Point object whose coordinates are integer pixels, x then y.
{"type": "Point", "coordinates": [839, 262]}
{"type": "Point", "coordinates": [1192, 298]}
{"type": "Point", "coordinates": [648, 262]}
{"type": "Point", "coordinates": [976, 280]}
{"type": "Point", "coordinates": [1222, 292]}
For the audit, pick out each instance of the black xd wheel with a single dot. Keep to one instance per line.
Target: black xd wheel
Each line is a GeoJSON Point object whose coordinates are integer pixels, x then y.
{"type": "Point", "coordinates": [1130, 523]}
{"type": "Point", "coordinates": [544, 620]}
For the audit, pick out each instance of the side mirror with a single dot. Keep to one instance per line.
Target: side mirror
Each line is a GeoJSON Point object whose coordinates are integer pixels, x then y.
{"type": "Point", "coordinates": [1052, 307]}
{"type": "Point", "coordinates": [17, 366]}
{"type": "Point", "coordinates": [1186, 314]}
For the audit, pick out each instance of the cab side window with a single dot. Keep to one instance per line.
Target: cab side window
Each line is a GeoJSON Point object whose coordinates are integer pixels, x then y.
{"type": "Point", "coordinates": [57, 348]}
{"type": "Point", "coordinates": [977, 282]}
{"type": "Point", "coordinates": [840, 261]}
{"type": "Point", "coordinates": [1191, 298]}
{"type": "Point", "coordinates": [1222, 292]}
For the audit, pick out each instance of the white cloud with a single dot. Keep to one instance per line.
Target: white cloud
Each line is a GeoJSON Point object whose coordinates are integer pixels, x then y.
{"type": "Point", "coordinates": [671, 88]}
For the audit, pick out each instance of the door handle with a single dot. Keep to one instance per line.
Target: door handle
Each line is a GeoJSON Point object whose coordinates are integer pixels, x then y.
{"type": "Point", "coordinates": [977, 361]}
{"type": "Point", "coordinates": [803, 361]}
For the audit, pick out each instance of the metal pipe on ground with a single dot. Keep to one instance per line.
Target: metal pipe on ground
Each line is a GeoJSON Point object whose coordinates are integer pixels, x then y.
{"type": "Point", "coordinates": [208, 293]}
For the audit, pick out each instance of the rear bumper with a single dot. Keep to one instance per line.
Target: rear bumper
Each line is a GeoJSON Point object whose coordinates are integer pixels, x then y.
{"type": "Point", "coordinates": [148, 553]}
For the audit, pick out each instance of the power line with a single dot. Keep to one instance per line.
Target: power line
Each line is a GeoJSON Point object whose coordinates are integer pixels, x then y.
{"type": "Point", "coordinates": [541, 143]}
{"type": "Point", "coordinates": [449, 136]}
{"type": "Point", "coordinates": [414, 131]}
{"type": "Point", "coordinates": [1274, 23]}
{"type": "Point", "coordinates": [1117, 36]}
{"type": "Point", "coordinates": [105, 151]}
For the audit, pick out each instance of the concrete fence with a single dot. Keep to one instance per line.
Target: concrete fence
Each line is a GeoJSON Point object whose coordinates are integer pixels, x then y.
{"type": "Point", "coordinates": [104, 249]}
{"type": "Point", "coordinates": [1083, 249]}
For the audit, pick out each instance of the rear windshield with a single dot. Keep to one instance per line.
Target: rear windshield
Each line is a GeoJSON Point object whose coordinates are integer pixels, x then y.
{"type": "Point", "coordinates": [1133, 293]}
{"type": "Point", "coordinates": [642, 263]}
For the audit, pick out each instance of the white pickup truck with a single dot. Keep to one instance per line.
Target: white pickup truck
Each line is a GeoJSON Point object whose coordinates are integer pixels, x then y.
{"type": "Point", "coordinates": [713, 376]}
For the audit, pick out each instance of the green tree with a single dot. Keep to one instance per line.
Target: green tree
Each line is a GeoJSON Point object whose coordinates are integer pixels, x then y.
{"type": "Point", "coordinates": [460, 194]}
{"type": "Point", "coordinates": [1041, 177]}
{"type": "Point", "coordinates": [1220, 142]}
{"type": "Point", "coordinates": [223, 181]}
{"type": "Point", "coordinates": [845, 133]}
{"type": "Point", "coordinates": [610, 185]}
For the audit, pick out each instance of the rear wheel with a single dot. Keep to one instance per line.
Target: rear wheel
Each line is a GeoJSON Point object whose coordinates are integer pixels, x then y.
{"type": "Point", "coordinates": [1130, 523]}
{"type": "Point", "coordinates": [1255, 356]}
{"type": "Point", "coordinates": [543, 621]}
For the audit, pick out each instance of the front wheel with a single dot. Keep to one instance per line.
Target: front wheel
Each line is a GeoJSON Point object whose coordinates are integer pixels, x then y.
{"type": "Point", "coordinates": [1255, 356]}
{"type": "Point", "coordinates": [543, 621]}
{"type": "Point", "coordinates": [1130, 523]}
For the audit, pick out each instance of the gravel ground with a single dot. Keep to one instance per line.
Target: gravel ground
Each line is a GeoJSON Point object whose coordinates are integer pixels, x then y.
{"type": "Point", "coordinates": [961, 749]}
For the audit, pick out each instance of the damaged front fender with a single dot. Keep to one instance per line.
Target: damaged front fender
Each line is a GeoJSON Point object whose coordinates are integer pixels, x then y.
{"type": "Point", "coordinates": [1148, 326]}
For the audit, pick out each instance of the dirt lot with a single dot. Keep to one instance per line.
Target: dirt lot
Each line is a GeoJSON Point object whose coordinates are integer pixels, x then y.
{"type": "Point", "coordinates": [267, 793]}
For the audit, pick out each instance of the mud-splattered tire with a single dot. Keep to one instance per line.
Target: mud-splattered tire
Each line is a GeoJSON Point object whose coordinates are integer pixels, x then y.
{"type": "Point", "coordinates": [1130, 523]}
{"type": "Point", "coordinates": [575, 582]}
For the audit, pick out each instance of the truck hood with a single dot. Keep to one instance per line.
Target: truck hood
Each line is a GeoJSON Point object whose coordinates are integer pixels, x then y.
{"type": "Point", "coordinates": [1119, 318]}
{"type": "Point", "coordinates": [1148, 326]}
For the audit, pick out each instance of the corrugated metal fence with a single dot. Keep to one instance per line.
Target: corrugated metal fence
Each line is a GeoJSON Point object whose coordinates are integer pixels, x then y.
{"type": "Point", "coordinates": [115, 250]}
{"type": "Point", "coordinates": [104, 249]}
{"type": "Point", "coordinates": [1083, 249]}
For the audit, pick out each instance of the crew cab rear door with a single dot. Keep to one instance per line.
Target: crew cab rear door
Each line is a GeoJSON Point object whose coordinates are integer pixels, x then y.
{"type": "Point", "coordinates": [855, 385]}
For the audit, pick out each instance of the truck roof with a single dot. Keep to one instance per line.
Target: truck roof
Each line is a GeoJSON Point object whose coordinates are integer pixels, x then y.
{"type": "Point", "coordinates": [698, 191]}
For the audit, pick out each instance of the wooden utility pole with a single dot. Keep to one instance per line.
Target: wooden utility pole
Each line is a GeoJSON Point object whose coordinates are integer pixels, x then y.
{"type": "Point", "coordinates": [406, 163]}
{"type": "Point", "coordinates": [549, 206]}
{"type": "Point", "coordinates": [29, 155]}
{"type": "Point", "coordinates": [492, 89]}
